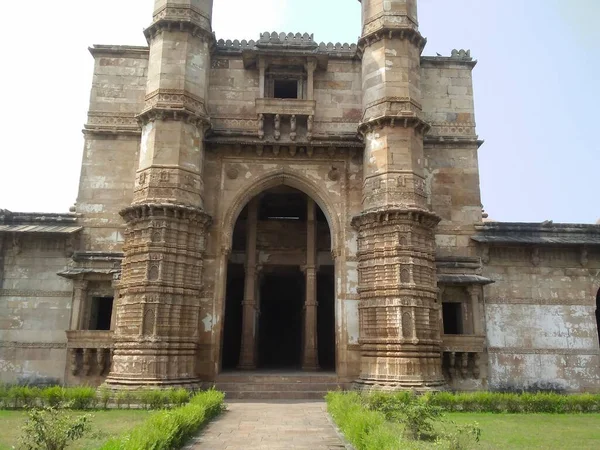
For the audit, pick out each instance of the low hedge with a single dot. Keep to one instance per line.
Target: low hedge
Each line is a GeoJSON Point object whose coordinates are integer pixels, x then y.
{"type": "Point", "coordinates": [494, 402]}
{"type": "Point", "coordinates": [171, 429]}
{"type": "Point", "coordinates": [364, 429]}
{"type": "Point", "coordinates": [85, 397]}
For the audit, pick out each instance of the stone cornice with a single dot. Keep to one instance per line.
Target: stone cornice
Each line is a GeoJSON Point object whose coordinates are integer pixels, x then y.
{"type": "Point", "coordinates": [145, 211]}
{"type": "Point", "coordinates": [180, 18]}
{"type": "Point", "coordinates": [452, 141]}
{"type": "Point", "coordinates": [181, 114]}
{"type": "Point", "coordinates": [405, 120]}
{"type": "Point", "coordinates": [100, 122]}
{"type": "Point", "coordinates": [395, 213]}
{"type": "Point", "coordinates": [390, 32]}
{"type": "Point", "coordinates": [120, 50]}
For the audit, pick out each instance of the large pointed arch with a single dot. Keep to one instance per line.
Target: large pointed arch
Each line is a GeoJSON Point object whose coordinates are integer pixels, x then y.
{"type": "Point", "coordinates": [277, 178]}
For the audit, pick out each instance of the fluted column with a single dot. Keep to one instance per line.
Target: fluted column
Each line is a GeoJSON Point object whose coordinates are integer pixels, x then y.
{"type": "Point", "coordinates": [399, 326]}
{"type": "Point", "coordinates": [248, 357]}
{"type": "Point", "coordinates": [310, 355]}
{"type": "Point", "coordinates": [157, 316]}
{"type": "Point", "coordinates": [78, 309]}
{"type": "Point", "coordinates": [474, 292]}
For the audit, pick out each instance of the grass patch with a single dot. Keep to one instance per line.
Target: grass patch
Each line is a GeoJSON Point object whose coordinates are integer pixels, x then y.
{"type": "Point", "coordinates": [105, 425]}
{"type": "Point", "coordinates": [171, 429]}
{"type": "Point", "coordinates": [374, 423]}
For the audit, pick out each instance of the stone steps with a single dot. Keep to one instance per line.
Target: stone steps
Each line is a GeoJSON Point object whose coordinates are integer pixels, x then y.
{"type": "Point", "coordinates": [259, 386]}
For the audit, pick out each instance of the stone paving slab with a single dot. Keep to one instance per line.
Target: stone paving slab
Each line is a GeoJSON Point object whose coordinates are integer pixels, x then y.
{"type": "Point", "coordinates": [270, 425]}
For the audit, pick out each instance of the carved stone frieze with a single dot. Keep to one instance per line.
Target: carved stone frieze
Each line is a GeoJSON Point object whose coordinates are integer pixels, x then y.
{"type": "Point", "coordinates": [175, 99]}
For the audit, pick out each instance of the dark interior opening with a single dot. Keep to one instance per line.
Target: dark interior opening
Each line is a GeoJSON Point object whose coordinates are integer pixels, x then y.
{"type": "Point", "coordinates": [285, 89]}
{"type": "Point", "coordinates": [280, 324]}
{"type": "Point", "coordinates": [101, 313]}
{"type": "Point", "coordinates": [326, 318]}
{"type": "Point", "coordinates": [452, 313]}
{"type": "Point", "coordinates": [232, 332]}
{"type": "Point", "coordinates": [598, 314]}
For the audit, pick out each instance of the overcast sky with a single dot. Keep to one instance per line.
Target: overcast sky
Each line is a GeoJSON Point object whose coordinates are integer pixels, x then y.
{"type": "Point", "coordinates": [536, 89]}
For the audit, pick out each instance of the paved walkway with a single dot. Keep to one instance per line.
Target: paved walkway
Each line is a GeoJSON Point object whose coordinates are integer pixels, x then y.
{"type": "Point", "coordinates": [271, 425]}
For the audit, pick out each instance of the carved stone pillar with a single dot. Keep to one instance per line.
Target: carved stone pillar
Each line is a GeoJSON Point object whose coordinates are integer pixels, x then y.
{"type": "Point", "coordinates": [248, 357]}
{"type": "Point", "coordinates": [80, 287]}
{"type": "Point", "coordinates": [261, 77]}
{"type": "Point", "coordinates": [310, 354]}
{"type": "Point", "coordinates": [474, 292]}
{"type": "Point", "coordinates": [310, 81]}
{"type": "Point", "coordinates": [399, 329]}
{"type": "Point", "coordinates": [166, 223]}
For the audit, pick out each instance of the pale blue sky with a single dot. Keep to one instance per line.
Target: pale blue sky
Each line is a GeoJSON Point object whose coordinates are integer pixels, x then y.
{"type": "Point", "coordinates": [535, 90]}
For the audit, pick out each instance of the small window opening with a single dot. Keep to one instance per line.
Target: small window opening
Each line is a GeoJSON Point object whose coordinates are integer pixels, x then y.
{"type": "Point", "coordinates": [101, 313]}
{"type": "Point", "coordinates": [452, 313]}
{"type": "Point", "coordinates": [285, 89]}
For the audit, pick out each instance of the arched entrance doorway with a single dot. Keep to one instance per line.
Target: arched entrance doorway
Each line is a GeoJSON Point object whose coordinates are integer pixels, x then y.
{"type": "Point", "coordinates": [280, 295]}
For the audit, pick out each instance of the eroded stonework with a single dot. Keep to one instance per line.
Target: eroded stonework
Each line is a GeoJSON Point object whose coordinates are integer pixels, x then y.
{"type": "Point", "coordinates": [288, 205]}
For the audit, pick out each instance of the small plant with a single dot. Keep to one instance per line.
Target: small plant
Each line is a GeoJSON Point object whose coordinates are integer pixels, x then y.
{"type": "Point", "coordinates": [178, 397]}
{"type": "Point", "coordinates": [460, 437]}
{"type": "Point", "coordinates": [51, 429]}
{"type": "Point", "coordinates": [103, 395]}
{"type": "Point", "coordinates": [418, 417]}
{"type": "Point", "coordinates": [81, 397]}
{"type": "Point", "coordinates": [53, 396]}
{"type": "Point", "coordinates": [153, 398]}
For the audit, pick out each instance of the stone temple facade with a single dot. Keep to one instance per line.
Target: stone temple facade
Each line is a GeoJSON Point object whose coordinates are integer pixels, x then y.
{"type": "Point", "coordinates": [279, 204]}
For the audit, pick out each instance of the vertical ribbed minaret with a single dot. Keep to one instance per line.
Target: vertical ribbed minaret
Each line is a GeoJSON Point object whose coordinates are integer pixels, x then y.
{"type": "Point", "coordinates": [158, 295]}
{"type": "Point", "coordinates": [399, 325]}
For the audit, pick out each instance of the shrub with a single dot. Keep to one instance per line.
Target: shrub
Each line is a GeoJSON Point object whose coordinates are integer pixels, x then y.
{"type": "Point", "coordinates": [103, 394]}
{"type": "Point", "coordinates": [171, 429]}
{"type": "Point", "coordinates": [83, 397]}
{"type": "Point", "coordinates": [53, 396]}
{"type": "Point", "coordinates": [51, 429]}
{"type": "Point", "coordinates": [178, 397]}
{"type": "Point", "coordinates": [153, 398]}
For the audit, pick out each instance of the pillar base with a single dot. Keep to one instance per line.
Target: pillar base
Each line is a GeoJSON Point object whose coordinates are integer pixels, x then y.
{"type": "Point", "coordinates": [374, 385]}
{"type": "Point", "coordinates": [130, 384]}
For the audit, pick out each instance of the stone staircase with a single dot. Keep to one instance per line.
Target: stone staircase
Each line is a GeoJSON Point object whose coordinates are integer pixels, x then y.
{"type": "Point", "coordinates": [270, 386]}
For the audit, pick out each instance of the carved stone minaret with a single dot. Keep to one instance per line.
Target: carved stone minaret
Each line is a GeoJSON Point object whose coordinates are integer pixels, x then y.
{"type": "Point", "coordinates": [158, 306]}
{"type": "Point", "coordinates": [399, 325]}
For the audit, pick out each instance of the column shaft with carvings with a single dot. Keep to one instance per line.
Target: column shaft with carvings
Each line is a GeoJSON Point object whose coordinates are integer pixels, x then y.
{"type": "Point", "coordinates": [156, 336]}
{"type": "Point", "coordinates": [248, 357]}
{"type": "Point", "coordinates": [399, 315]}
{"type": "Point", "coordinates": [78, 309]}
{"type": "Point", "coordinates": [474, 292]}
{"type": "Point", "coordinates": [310, 355]}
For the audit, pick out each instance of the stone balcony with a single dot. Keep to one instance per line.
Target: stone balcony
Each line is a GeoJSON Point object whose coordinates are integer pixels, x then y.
{"type": "Point", "coordinates": [90, 352]}
{"type": "Point", "coordinates": [462, 355]}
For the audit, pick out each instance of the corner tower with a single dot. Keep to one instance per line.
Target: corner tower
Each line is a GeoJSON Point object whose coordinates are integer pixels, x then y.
{"type": "Point", "coordinates": [399, 313]}
{"type": "Point", "coordinates": [158, 295]}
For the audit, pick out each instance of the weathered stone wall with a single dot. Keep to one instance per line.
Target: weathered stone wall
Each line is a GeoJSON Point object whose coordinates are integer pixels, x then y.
{"type": "Point", "coordinates": [112, 141]}
{"type": "Point", "coordinates": [35, 308]}
{"type": "Point", "coordinates": [338, 93]}
{"type": "Point", "coordinates": [451, 146]}
{"type": "Point", "coordinates": [540, 320]}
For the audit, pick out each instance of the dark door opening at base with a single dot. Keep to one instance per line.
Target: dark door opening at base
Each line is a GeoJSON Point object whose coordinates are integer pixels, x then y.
{"type": "Point", "coordinates": [280, 325]}
{"type": "Point", "coordinates": [232, 333]}
{"type": "Point", "coordinates": [598, 314]}
{"type": "Point", "coordinates": [326, 318]}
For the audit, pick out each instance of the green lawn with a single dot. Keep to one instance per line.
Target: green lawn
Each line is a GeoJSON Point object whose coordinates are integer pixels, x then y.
{"type": "Point", "coordinates": [104, 425]}
{"type": "Point", "coordinates": [534, 431]}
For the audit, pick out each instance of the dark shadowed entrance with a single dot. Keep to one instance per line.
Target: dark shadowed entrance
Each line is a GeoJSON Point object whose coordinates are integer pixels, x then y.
{"type": "Point", "coordinates": [280, 322]}
{"type": "Point", "coordinates": [280, 296]}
